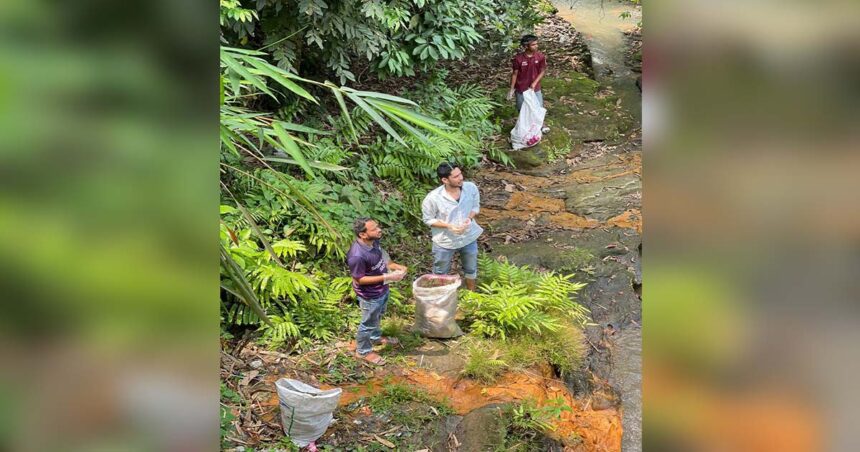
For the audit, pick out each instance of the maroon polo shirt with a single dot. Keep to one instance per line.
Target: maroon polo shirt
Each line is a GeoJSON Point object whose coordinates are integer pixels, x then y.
{"type": "Point", "coordinates": [528, 68]}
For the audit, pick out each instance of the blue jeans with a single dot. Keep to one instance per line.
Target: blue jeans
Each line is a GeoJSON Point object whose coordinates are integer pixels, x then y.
{"type": "Point", "coordinates": [369, 331]}
{"type": "Point", "coordinates": [442, 258]}
{"type": "Point", "coordinates": [539, 95]}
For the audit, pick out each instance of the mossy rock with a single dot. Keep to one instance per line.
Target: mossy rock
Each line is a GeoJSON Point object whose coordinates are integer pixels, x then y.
{"type": "Point", "coordinates": [576, 83]}
{"type": "Point", "coordinates": [483, 429]}
{"type": "Point", "coordinates": [528, 158]}
{"type": "Point", "coordinates": [602, 200]}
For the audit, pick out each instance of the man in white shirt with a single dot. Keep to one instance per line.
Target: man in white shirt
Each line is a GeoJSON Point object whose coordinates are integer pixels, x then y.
{"type": "Point", "coordinates": [450, 210]}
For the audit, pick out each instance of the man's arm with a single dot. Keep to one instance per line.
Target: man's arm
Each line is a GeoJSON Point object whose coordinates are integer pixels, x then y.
{"type": "Point", "coordinates": [357, 269]}
{"type": "Point", "coordinates": [515, 70]}
{"type": "Point", "coordinates": [537, 79]}
{"type": "Point", "coordinates": [428, 215]}
{"type": "Point", "coordinates": [365, 280]}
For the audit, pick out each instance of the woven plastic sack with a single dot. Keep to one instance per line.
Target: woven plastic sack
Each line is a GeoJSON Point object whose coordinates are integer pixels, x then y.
{"type": "Point", "coordinates": [436, 305]}
{"type": "Point", "coordinates": [306, 411]}
{"type": "Point", "coordinates": [527, 132]}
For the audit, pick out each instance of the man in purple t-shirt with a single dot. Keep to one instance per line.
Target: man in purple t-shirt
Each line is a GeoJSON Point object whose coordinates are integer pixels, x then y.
{"type": "Point", "coordinates": [368, 264]}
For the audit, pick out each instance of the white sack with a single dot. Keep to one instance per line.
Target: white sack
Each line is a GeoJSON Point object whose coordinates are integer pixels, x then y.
{"type": "Point", "coordinates": [435, 307]}
{"type": "Point", "coordinates": [527, 132]}
{"type": "Point", "coordinates": [306, 411]}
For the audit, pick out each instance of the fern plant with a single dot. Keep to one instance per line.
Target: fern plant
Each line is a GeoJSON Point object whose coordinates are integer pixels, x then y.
{"type": "Point", "coordinates": [499, 310]}
{"type": "Point", "coordinates": [518, 299]}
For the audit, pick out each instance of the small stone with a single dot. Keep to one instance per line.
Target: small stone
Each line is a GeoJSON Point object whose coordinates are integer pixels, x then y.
{"type": "Point", "coordinates": [256, 364]}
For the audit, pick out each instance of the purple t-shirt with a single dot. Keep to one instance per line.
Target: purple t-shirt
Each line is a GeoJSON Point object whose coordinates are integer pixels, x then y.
{"type": "Point", "coordinates": [366, 261]}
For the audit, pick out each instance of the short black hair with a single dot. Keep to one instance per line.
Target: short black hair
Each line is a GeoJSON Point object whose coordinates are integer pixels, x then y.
{"type": "Point", "coordinates": [360, 225]}
{"type": "Point", "coordinates": [528, 39]}
{"type": "Point", "coordinates": [446, 168]}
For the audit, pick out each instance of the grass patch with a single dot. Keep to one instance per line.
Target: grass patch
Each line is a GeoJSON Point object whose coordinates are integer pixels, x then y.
{"type": "Point", "coordinates": [399, 328]}
{"type": "Point", "coordinates": [407, 405]}
{"type": "Point", "coordinates": [563, 349]}
{"type": "Point", "coordinates": [488, 359]}
{"type": "Point", "coordinates": [344, 368]}
{"type": "Point", "coordinates": [483, 361]}
{"type": "Point", "coordinates": [394, 395]}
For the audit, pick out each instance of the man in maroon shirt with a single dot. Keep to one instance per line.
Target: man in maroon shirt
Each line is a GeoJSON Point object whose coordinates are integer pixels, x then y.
{"type": "Point", "coordinates": [528, 67]}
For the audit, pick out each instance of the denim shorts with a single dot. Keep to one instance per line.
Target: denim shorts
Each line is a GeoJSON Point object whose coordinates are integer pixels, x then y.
{"type": "Point", "coordinates": [442, 258]}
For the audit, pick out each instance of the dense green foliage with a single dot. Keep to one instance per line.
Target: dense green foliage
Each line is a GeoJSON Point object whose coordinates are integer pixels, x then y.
{"type": "Point", "coordinates": [301, 158]}
{"type": "Point", "coordinates": [291, 190]}
{"type": "Point", "coordinates": [393, 37]}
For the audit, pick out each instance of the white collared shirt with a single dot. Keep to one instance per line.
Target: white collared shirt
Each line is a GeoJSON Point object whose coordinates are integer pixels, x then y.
{"type": "Point", "coordinates": [438, 205]}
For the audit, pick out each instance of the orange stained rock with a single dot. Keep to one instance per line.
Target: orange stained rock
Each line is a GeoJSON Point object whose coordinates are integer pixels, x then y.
{"type": "Point", "coordinates": [526, 201]}
{"type": "Point", "coordinates": [630, 219]}
{"type": "Point", "coordinates": [579, 429]}
{"type": "Point", "coordinates": [567, 220]}
{"type": "Point", "coordinates": [626, 164]}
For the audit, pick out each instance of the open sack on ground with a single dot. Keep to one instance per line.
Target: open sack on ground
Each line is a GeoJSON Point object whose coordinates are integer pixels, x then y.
{"type": "Point", "coordinates": [306, 411]}
{"type": "Point", "coordinates": [436, 305]}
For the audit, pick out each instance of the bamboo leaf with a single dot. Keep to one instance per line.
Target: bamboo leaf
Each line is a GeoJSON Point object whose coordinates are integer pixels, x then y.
{"type": "Point", "coordinates": [376, 117]}
{"type": "Point", "coordinates": [383, 96]}
{"type": "Point", "coordinates": [345, 111]}
{"type": "Point", "coordinates": [292, 148]}
{"type": "Point", "coordinates": [241, 70]}
{"type": "Point", "coordinates": [313, 163]}
{"type": "Point", "coordinates": [243, 287]}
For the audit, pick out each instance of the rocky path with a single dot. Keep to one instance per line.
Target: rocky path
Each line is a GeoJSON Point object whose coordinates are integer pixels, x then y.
{"type": "Point", "coordinates": [574, 205]}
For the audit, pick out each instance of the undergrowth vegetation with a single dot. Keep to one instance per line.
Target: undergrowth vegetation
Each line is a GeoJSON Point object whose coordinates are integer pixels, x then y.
{"type": "Point", "coordinates": [521, 319]}
{"type": "Point", "coordinates": [399, 400]}
{"type": "Point", "coordinates": [527, 422]}
{"type": "Point", "coordinates": [517, 299]}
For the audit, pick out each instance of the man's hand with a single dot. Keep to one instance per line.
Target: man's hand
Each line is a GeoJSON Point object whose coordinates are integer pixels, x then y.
{"type": "Point", "coordinates": [393, 276]}
{"type": "Point", "coordinates": [398, 267]}
{"type": "Point", "coordinates": [511, 94]}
